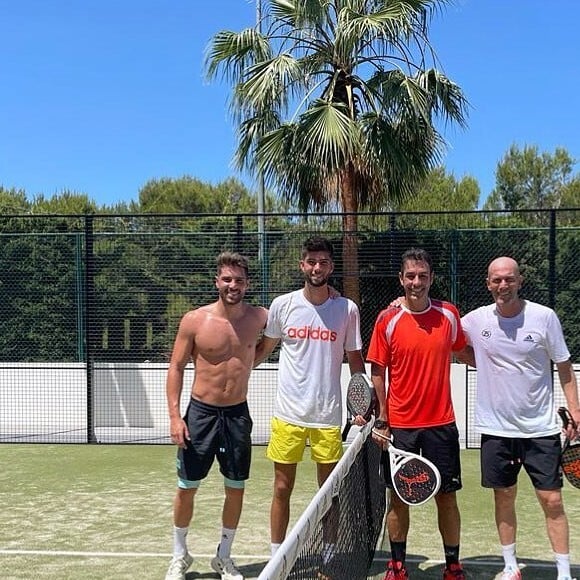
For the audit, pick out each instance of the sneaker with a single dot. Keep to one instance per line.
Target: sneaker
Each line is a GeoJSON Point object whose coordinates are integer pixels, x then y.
{"type": "Point", "coordinates": [178, 567]}
{"type": "Point", "coordinates": [396, 571]}
{"type": "Point", "coordinates": [510, 574]}
{"type": "Point", "coordinates": [226, 568]}
{"type": "Point", "coordinates": [454, 572]}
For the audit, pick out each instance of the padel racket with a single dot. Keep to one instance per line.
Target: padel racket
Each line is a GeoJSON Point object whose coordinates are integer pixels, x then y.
{"type": "Point", "coordinates": [360, 400]}
{"type": "Point", "coordinates": [570, 451]}
{"type": "Point", "coordinates": [415, 479]}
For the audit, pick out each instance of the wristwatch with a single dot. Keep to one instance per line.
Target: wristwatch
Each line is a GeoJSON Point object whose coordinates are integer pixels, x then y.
{"type": "Point", "coordinates": [380, 424]}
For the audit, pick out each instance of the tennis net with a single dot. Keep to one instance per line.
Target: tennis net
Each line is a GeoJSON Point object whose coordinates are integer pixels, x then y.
{"type": "Point", "coordinates": [336, 536]}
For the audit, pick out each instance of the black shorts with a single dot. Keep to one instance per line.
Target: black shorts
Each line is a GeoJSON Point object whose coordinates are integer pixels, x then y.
{"type": "Point", "coordinates": [503, 457]}
{"type": "Point", "coordinates": [440, 445]}
{"type": "Point", "coordinates": [222, 432]}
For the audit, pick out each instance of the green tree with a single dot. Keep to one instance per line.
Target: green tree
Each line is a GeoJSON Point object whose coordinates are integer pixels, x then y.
{"type": "Point", "coordinates": [570, 200]}
{"type": "Point", "coordinates": [190, 195]}
{"type": "Point", "coordinates": [40, 276]}
{"type": "Point", "coordinates": [438, 194]}
{"type": "Point", "coordinates": [441, 191]}
{"type": "Point", "coordinates": [336, 103]}
{"type": "Point", "coordinates": [528, 179]}
{"type": "Point", "coordinates": [182, 195]}
{"type": "Point", "coordinates": [13, 202]}
{"type": "Point", "coordinates": [66, 202]}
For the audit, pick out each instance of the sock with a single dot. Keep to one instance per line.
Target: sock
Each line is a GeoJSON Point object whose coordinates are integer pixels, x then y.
{"type": "Point", "coordinates": [563, 564]}
{"type": "Point", "coordinates": [398, 551]}
{"type": "Point", "coordinates": [509, 556]}
{"type": "Point", "coordinates": [274, 548]}
{"type": "Point", "coordinates": [179, 541]}
{"type": "Point", "coordinates": [451, 555]}
{"type": "Point", "coordinates": [225, 546]}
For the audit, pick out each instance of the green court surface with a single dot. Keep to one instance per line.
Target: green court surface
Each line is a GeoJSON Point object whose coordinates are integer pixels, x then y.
{"type": "Point", "coordinates": [104, 512]}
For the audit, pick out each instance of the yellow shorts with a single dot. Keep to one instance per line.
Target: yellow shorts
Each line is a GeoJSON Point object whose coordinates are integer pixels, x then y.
{"type": "Point", "coordinates": [287, 443]}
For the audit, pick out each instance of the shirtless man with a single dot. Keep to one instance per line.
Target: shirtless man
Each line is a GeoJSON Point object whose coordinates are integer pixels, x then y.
{"type": "Point", "coordinates": [221, 339]}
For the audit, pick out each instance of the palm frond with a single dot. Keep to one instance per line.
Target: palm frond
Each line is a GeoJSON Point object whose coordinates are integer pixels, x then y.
{"type": "Point", "coordinates": [400, 154]}
{"type": "Point", "coordinates": [324, 135]}
{"type": "Point", "coordinates": [400, 95]}
{"type": "Point", "coordinates": [328, 134]}
{"type": "Point", "coordinates": [233, 52]}
{"type": "Point", "coordinates": [250, 131]}
{"type": "Point", "coordinates": [264, 83]}
{"type": "Point", "coordinates": [447, 99]}
{"type": "Point", "coordinates": [299, 13]}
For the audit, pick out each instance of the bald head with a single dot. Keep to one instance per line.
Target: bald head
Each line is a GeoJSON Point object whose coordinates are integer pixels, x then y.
{"type": "Point", "coordinates": [503, 263]}
{"type": "Point", "coordinates": [504, 282]}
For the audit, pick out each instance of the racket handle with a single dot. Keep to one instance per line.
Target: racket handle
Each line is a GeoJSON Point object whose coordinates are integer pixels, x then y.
{"type": "Point", "coordinates": [375, 432]}
{"type": "Point", "coordinates": [567, 418]}
{"type": "Point", "coordinates": [346, 429]}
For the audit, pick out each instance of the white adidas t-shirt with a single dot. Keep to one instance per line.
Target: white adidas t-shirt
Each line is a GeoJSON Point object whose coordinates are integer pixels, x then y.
{"type": "Point", "coordinates": [313, 342]}
{"type": "Point", "coordinates": [515, 395]}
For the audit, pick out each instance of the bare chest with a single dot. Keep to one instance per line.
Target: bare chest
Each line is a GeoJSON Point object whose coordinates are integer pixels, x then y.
{"type": "Point", "coordinates": [220, 340]}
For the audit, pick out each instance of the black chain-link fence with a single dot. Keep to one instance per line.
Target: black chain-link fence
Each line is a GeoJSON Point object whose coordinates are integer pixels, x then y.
{"type": "Point", "coordinates": [89, 305]}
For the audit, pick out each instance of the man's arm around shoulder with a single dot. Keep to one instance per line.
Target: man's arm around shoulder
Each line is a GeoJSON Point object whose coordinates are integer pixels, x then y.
{"type": "Point", "coordinates": [264, 349]}
{"type": "Point", "coordinates": [466, 355]}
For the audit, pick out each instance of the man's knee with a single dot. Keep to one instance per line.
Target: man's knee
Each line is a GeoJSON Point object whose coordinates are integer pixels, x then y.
{"type": "Point", "coordinates": [446, 501]}
{"type": "Point", "coordinates": [551, 502]}
{"type": "Point", "coordinates": [283, 489]}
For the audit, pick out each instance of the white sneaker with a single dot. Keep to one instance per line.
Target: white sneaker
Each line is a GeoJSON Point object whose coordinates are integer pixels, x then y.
{"type": "Point", "coordinates": [178, 567]}
{"type": "Point", "coordinates": [226, 568]}
{"type": "Point", "coordinates": [510, 574]}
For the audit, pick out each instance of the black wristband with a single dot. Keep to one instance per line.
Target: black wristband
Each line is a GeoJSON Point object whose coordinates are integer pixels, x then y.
{"type": "Point", "coordinates": [380, 424]}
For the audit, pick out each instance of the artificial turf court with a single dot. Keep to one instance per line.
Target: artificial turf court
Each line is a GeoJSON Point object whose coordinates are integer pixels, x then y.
{"type": "Point", "coordinates": [104, 512]}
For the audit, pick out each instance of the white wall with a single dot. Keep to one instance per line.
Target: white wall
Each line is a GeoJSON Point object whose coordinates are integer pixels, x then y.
{"type": "Point", "coordinates": [48, 402]}
{"type": "Point", "coordinates": [41, 398]}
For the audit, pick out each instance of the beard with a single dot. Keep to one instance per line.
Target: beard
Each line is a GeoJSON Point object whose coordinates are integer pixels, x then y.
{"type": "Point", "coordinates": [316, 281]}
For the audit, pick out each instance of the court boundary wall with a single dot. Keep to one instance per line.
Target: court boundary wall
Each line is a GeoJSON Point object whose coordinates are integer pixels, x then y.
{"type": "Point", "coordinates": [48, 402]}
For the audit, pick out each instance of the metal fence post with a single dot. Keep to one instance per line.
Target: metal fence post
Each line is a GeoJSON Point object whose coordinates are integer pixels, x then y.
{"type": "Point", "coordinates": [453, 260]}
{"type": "Point", "coordinates": [80, 308]}
{"type": "Point", "coordinates": [552, 251]}
{"type": "Point", "coordinates": [89, 309]}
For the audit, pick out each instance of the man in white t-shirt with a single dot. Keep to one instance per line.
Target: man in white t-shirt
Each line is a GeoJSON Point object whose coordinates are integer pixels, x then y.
{"type": "Point", "coordinates": [315, 331]}
{"type": "Point", "coordinates": [515, 342]}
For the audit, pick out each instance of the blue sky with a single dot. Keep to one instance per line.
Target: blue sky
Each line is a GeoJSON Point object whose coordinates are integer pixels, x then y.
{"type": "Point", "coordinates": [99, 97]}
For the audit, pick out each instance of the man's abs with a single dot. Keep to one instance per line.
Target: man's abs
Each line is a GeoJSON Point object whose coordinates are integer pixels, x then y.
{"type": "Point", "coordinates": [222, 384]}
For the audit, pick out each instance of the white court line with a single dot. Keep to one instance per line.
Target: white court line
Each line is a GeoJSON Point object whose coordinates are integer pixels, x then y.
{"type": "Point", "coordinates": [117, 554]}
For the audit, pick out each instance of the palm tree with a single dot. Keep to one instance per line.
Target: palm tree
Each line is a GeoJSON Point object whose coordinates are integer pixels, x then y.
{"type": "Point", "coordinates": [336, 104]}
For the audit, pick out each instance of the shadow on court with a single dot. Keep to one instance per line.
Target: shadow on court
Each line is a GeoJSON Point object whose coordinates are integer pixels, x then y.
{"type": "Point", "coordinates": [251, 570]}
{"type": "Point", "coordinates": [476, 568]}
{"type": "Point", "coordinates": [422, 568]}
